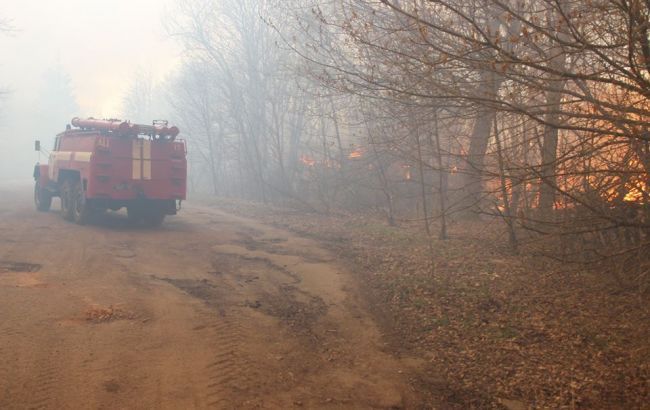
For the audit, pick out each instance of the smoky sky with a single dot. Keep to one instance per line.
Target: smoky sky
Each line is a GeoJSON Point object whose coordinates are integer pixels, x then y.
{"type": "Point", "coordinates": [73, 55]}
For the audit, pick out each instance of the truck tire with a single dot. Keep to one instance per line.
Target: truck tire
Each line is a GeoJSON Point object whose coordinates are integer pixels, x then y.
{"type": "Point", "coordinates": [146, 217]}
{"type": "Point", "coordinates": [80, 207]}
{"type": "Point", "coordinates": [153, 219]}
{"type": "Point", "coordinates": [66, 200]}
{"type": "Point", "coordinates": [42, 198]}
{"type": "Point", "coordinates": [134, 214]}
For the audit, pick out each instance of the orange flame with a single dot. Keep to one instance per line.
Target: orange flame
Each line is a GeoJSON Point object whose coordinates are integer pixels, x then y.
{"type": "Point", "coordinates": [357, 153]}
{"type": "Point", "coordinates": [307, 160]}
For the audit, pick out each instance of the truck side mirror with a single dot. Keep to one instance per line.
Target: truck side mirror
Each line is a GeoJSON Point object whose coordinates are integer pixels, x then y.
{"type": "Point", "coordinates": [37, 145]}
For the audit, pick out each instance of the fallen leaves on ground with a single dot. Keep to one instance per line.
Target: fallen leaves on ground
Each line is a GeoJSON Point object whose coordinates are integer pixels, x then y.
{"type": "Point", "coordinates": [498, 328]}
{"type": "Point", "coordinates": [98, 314]}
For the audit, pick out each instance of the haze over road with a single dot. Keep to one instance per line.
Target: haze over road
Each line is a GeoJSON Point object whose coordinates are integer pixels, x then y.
{"type": "Point", "coordinates": [211, 310]}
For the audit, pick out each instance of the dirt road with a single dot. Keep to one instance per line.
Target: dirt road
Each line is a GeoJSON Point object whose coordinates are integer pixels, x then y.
{"type": "Point", "coordinates": [209, 311]}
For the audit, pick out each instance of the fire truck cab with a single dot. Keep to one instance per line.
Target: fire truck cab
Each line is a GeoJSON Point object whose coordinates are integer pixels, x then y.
{"type": "Point", "coordinates": [111, 164]}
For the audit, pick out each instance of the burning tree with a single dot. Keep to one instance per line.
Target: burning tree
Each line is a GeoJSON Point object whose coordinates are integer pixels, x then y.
{"type": "Point", "coordinates": [534, 111]}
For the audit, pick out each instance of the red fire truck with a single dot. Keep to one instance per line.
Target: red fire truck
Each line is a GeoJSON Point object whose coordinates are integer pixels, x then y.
{"type": "Point", "coordinates": [111, 164]}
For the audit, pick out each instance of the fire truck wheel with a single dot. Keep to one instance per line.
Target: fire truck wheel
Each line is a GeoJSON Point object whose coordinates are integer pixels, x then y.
{"type": "Point", "coordinates": [134, 214]}
{"type": "Point", "coordinates": [42, 198]}
{"type": "Point", "coordinates": [154, 219]}
{"type": "Point", "coordinates": [66, 200]}
{"type": "Point", "coordinates": [80, 206]}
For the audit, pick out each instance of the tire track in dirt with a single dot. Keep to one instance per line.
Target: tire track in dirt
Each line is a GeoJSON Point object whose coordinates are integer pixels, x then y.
{"type": "Point", "coordinates": [219, 312]}
{"type": "Point", "coordinates": [12, 331]}
{"type": "Point", "coordinates": [13, 273]}
{"type": "Point", "coordinates": [45, 379]}
{"type": "Point", "coordinates": [44, 368]}
{"type": "Point", "coordinates": [238, 372]}
{"type": "Point", "coordinates": [5, 380]}
{"type": "Point", "coordinates": [330, 344]}
{"type": "Point", "coordinates": [230, 371]}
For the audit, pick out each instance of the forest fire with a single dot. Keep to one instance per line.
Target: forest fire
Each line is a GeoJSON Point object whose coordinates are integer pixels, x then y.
{"type": "Point", "coordinates": [369, 181]}
{"type": "Point", "coordinates": [637, 195]}
{"type": "Point", "coordinates": [307, 160]}
{"type": "Point", "coordinates": [357, 153]}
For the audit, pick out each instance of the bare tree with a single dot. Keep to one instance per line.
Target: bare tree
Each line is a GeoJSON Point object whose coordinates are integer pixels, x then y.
{"type": "Point", "coordinates": [533, 111]}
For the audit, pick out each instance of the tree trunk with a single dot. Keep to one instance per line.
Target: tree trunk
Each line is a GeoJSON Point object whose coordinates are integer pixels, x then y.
{"type": "Point", "coordinates": [554, 93]}
{"type": "Point", "coordinates": [473, 179]}
{"type": "Point", "coordinates": [548, 186]}
{"type": "Point", "coordinates": [442, 180]}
